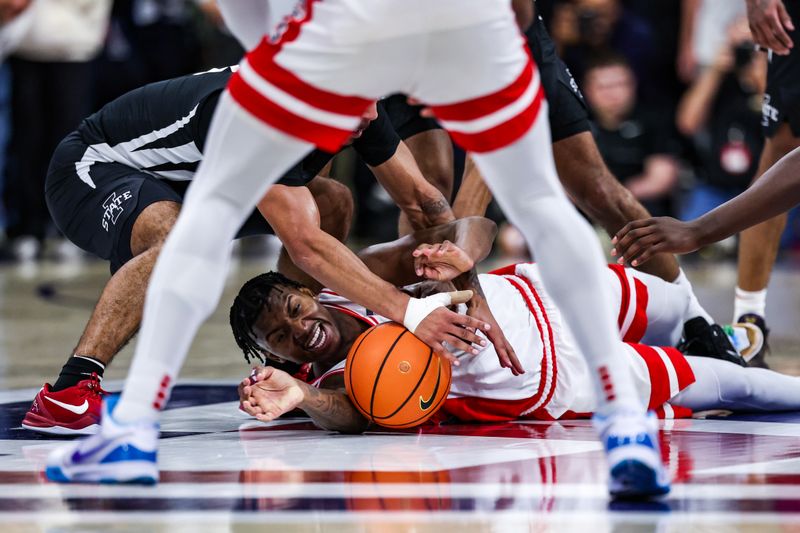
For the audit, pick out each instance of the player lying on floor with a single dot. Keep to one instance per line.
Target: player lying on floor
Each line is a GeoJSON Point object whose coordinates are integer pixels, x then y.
{"type": "Point", "coordinates": [276, 319]}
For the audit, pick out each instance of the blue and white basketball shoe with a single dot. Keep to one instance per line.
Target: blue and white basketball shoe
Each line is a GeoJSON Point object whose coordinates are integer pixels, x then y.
{"type": "Point", "coordinates": [117, 453]}
{"type": "Point", "coordinates": [634, 455]}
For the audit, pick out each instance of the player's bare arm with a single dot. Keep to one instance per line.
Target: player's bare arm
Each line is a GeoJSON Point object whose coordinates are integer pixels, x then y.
{"type": "Point", "coordinates": [276, 393]}
{"type": "Point", "coordinates": [769, 23]}
{"type": "Point", "coordinates": [777, 191]}
{"type": "Point", "coordinates": [423, 204]}
{"type": "Point", "coordinates": [337, 267]}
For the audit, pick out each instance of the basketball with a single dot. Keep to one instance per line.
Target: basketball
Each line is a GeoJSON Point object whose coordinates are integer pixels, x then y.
{"type": "Point", "coordinates": [395, 379]}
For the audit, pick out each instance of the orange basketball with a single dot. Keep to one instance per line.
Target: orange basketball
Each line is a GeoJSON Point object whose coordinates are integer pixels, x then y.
{"type": "Point", "coordinates": [394, 378]}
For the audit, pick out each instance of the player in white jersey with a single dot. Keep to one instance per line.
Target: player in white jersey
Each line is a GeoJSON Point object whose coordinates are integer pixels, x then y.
{"type": "Point", "coordinates": [278, 320]}
{"type": "Point", "coordinates": [306, 85]}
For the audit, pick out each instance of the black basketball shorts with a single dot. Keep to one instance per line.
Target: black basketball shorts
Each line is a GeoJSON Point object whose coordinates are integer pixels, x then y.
{"type": "Point", "coordinates": [98, 214]}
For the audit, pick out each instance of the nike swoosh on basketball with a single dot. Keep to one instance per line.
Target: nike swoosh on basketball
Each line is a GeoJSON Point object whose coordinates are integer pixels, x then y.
{"type": "Point", "coordinates": [77, 409]}
{"type": "Point", "coordinates": [426, 404]}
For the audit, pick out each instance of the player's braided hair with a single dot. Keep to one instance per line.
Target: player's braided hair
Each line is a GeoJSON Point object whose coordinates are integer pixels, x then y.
{"type": "Point", "coordinates": [248, 304]}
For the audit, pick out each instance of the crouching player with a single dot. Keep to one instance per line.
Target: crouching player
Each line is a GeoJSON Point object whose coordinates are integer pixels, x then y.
{"type": "Point", "coordinates": [279, 320]}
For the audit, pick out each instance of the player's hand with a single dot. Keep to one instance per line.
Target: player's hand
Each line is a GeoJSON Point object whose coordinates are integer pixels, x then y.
{"type": "Point", "coordinates": [640, 240]}
{"type": "Point", "coordinates": [441, 262]}
{"type": "Point", "coordinates": [442, 325]}
{"type": "Point", "coordinates": [769, 24]}
{"type": "Point", "coordinates": [273, 393]}
{"type": "Point", "coordinates": [478, 308]}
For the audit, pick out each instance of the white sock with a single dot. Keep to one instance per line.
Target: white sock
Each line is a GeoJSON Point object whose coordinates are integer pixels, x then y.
{"type": "Point", "coordinates": [523, 178]}
{"type": "Point", "coordinates": [243, 157]}
{"type": "Point", "coordinates": [695, 309]}
{"type": "Point", "coordinates": [754, 302]}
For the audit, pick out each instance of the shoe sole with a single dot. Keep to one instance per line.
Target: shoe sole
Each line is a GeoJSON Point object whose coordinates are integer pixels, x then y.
{"type": "Point", "coordinates": [632, 479]}
{"type": "Point", "coordinates": [61, 430]}
{"type": "Point", "coordinates": [129, 473]}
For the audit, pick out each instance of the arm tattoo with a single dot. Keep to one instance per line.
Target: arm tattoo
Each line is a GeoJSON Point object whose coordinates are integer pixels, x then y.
{"type": "Point", "coordinates": [332, 410]}
{"type": "Point", "coordinates": [435, 211]}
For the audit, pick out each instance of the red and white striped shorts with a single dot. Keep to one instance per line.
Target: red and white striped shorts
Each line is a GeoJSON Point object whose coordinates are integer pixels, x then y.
{"type": "Point", "coordinates": [316, 75]}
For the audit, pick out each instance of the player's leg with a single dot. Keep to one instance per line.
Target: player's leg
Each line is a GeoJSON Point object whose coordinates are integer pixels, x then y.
{"type": "Point", "coordinates": [758, 246]}
{"type": "Point", "coordinates": [118, 312]}
{"type": "Point", "coordinates": [723, 385]}
{"type": "Point", "coordinates": [243, 156]}
{"type": "Point", "coordinates": [123, 216]}
{"type": "Point", "coordinates": [509, 136]}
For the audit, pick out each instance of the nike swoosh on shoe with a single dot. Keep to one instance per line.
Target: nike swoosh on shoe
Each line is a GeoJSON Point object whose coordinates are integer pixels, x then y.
{"type": "Point", "coordinates": [77, 409]}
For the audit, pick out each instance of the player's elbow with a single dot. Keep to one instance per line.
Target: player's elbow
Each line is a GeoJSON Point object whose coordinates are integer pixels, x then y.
{"type": "Point", "coordinates": [335, 203]}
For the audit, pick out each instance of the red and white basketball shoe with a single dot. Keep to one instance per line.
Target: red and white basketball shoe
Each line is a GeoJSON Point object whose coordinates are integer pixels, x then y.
{"type": "Point", "coordinates": [71, 411]}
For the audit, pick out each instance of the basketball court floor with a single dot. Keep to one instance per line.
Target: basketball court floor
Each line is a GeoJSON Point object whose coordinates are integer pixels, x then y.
{"type": "Point", "coordinates": [221, 471]}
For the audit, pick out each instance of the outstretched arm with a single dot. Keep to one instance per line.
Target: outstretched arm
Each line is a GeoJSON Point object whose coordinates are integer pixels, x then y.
{"type": "Point", "coordinates": [775, 192]}
{"type": "Point", "coordinates": [269, 393]}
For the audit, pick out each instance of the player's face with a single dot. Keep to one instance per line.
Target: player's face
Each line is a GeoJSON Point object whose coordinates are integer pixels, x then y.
{"type": "Point", "coordinates": [368, 116]}
{"type": "Point", "coordinates": [295, 327]}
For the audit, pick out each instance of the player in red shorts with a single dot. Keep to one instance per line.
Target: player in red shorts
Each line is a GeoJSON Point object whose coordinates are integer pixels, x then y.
{"type": "Point", "coordinates": [303, 84]}
{"type": "Point", "coordinates": [276, 320]}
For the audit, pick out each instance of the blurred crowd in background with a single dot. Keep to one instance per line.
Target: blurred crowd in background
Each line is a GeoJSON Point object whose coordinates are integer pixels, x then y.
{"type": "Point", "coordinates": [674, 88]}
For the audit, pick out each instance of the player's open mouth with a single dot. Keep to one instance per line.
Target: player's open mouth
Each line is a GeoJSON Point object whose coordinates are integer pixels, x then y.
{"type": "Point", "coordinates": [317, 339]}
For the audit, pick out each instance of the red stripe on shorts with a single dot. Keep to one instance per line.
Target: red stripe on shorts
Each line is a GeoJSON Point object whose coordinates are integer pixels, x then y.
{"type": "Point", "coordinates": [325, 137]}
{"type": "Point", "coordinates": [503, 134]}
{"type": "Point", "coordinates": [486, 105]}
{"type": "Point", "coordinates": [262, 59]}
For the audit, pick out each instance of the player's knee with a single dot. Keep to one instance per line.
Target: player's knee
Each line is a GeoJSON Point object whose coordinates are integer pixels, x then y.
{"type": "Point", "coordinates": [153, 225]}
{"type": "Point", "coordinates": [335, 203]}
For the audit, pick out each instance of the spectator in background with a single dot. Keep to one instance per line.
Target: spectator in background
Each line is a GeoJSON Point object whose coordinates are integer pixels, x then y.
{"type": "Point", "coordinates": [703, 33]}
{"type": "Point", "coordinates": [587, 29]}
{"type": "Point", "coordinates": [51, 92]}
{"type": "Point", "coordinates": [721, 112]}
{"type": "Point", "coordinates": [15, 19]}
{"type": "Point", "coordinates": [637, 147]}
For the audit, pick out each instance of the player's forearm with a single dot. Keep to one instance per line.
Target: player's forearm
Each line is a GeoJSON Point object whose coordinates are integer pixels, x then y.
{"type": "Point", "coordinates": [332, 410]}
{"type": "Point", "coordinates": [774, 193]}
{"type": "Point", "coordinates": [335, 266]}
{"type": "Point", "coordinates": [423, 203]}
{"type": "Point", "coordinates": [473, 196]}
{"type": "Point", "coordinates": [393, 262]}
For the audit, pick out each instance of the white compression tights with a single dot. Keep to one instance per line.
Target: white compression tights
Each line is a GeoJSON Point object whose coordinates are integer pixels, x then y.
{"type": "Point", "coordinates": [243, 157]}
{"type": "Point", "coordinates": [522, 177]}
{"type": "Point", "coordinates": [723, 385]}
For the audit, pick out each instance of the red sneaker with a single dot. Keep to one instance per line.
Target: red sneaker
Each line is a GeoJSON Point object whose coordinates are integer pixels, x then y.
{"type": "Point", "coordinates": [72, 411]}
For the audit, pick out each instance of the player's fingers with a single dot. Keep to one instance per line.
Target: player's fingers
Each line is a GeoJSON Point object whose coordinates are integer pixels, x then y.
{"type": "Point", "coordinates": [786, 20]}
{"type": "Point", "coordinates": [629, 238]}
{"type": "Point", "coordinates": [636, 247]}
{"type": "Point", "coordinates": [444, 353]}
{"type": "Point", "coordinates": [781, 34]}
{"type": "Point", "coordinates": [468, 322]}
{"type": "Point", "coordinates": [635, 253]}
{"type": "Point", "coordinates": [455, 340]}
{"type": "Point", "coordinates": [516, 365]}
{"type": "Point", "coordinates": [419, 265]}
{"type": "Point", "coordinates": [647, 254]}
{"type": "Point", "coordinates": [460, 297]}
{"type": "Point", "coordinates": [466, 335]}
